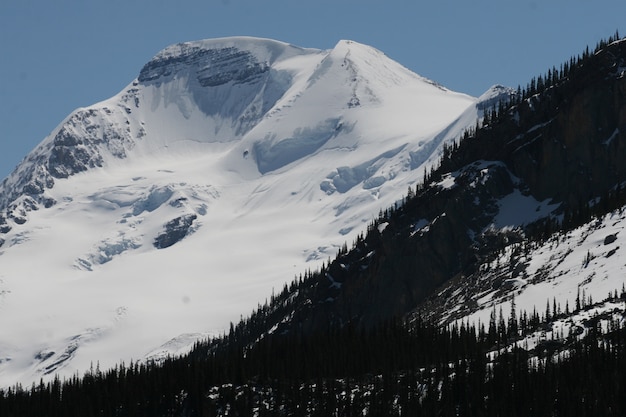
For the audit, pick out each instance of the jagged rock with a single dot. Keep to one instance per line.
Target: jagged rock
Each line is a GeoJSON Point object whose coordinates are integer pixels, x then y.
{"type": "Point", "coordinates": [175, 230]}
{"type": "Point", "coordinates": [226, 65]}
{"type": "Point", "coordinates": [4, 227]}
{"type": "Point", "coordinates": [79, 143]}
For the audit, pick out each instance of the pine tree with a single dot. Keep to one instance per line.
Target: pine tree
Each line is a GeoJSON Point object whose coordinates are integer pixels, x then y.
{"type": "Point", "coordinates": [513, 325]}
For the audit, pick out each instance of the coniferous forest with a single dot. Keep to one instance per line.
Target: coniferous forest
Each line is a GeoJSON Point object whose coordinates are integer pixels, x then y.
{"type": "Point", "coordinates": [395, 369]}
{"type": "Point", "coordinates": [277, 363]}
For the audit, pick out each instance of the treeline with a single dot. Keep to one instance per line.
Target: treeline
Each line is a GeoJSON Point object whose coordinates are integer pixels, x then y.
{"type": "Point", "coordinates": [395, 369]}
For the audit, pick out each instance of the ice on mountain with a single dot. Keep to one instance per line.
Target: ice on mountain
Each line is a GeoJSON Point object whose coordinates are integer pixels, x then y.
{"type": "Point", "coordinates": [374, 182]}
{"type": "Point", "coordinates": [342, 179]}
{"type": "Point", "coordinates": [272, 154]}
{"type": "Point", "coordinates": [350, 202]}
{"type": "Point", "coordinates": [157, 196]}
{"type": "Point", "coordinates": [106, 251]}
{"type": "Point", "coordinates": [345, 178]}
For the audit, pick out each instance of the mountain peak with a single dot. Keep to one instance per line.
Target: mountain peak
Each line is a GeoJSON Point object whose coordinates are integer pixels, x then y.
{"type": "Point", "coordinates": [346, 44]}
{"type": "Point", "coordinates": [217, 145]}
{"type": "Point", "coordinates": [493, 95]}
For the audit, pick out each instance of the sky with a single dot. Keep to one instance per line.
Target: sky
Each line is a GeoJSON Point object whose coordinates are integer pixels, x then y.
{"type": "Point", "coordinates": [56, 56]}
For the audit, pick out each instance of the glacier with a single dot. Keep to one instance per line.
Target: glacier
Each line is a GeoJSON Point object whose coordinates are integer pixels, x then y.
{"type": "Point", "coordinates": [226, 168]}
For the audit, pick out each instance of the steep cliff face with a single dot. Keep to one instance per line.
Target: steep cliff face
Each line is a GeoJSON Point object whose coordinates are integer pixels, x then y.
{"type": "Point", "coordinates": [568, 141]}
{"type": "Point", "coordinates": [577, 153]}
{"type": "Point", "coordinates": [214, 67]}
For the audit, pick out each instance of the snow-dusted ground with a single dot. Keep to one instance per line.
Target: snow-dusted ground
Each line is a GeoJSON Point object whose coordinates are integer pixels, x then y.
{"type": "Point", "coordinates": [278, 163]}
{"type": "Point", "coordinates": [586, 263]}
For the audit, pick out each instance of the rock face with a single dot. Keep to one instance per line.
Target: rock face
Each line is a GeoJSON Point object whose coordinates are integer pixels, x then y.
{"type": "Point", "coordinates": [568, 142]}
{"type": "Point", "coordinates": [78, 145]}
{"type": "Point", "coordinates": [175, 231]}
{"type": "Point", "coordinates": [214, 67]}
{"type": "Point", "coordinates": [580, 149]}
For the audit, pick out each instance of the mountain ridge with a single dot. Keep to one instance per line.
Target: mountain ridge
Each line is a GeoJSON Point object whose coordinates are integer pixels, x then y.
{"type": "Point", "coordinates": [150, 210]}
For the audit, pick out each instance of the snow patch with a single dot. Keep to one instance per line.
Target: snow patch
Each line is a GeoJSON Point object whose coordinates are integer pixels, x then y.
{"type": "Point", "coordinates": [517, 209]}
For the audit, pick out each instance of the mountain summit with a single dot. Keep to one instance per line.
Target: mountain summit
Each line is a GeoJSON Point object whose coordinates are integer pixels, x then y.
{"type": "Point", "coordinates": [156, 217]}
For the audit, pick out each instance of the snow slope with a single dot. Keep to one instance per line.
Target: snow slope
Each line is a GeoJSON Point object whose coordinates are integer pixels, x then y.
{"type": "Point", "coordinates": [225, 169]}
{"type": "Point", "coordinates": [579, 268]}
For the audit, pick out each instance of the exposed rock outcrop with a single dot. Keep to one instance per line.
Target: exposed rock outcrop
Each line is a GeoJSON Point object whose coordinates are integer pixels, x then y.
{"type": "Point", "coordinates": [175, 231]}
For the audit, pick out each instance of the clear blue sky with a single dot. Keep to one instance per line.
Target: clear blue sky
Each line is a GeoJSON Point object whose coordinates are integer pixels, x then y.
{"type": "Point", "coordinates": [58, 55]}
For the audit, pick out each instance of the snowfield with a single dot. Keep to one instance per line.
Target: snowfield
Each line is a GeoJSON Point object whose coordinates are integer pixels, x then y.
{"type": "Point", "coordinates": [225, 169]}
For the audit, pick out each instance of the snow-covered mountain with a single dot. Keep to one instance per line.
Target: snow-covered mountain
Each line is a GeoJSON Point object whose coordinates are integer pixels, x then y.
{"type": "Point", "coordinates": [526, 206]}
{"type": "Point", "coordinates": [229, 166]}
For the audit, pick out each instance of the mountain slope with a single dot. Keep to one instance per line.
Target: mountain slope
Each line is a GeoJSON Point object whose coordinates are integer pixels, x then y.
{"type": "Point", "coordinates": [480, 248]}
{"type": "Point", "coordinates": [520, 207]}
{"type": "Point", "coordinates": [227, 167]}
